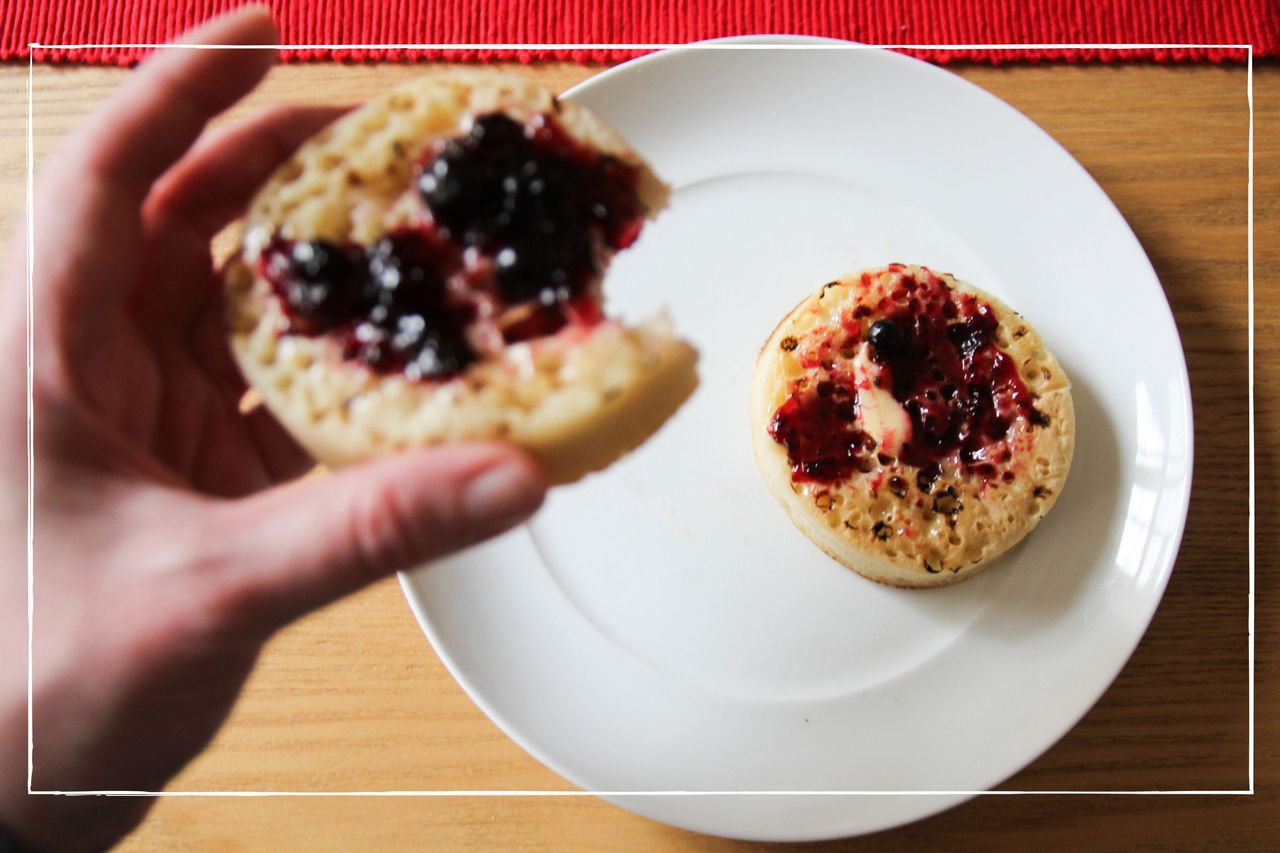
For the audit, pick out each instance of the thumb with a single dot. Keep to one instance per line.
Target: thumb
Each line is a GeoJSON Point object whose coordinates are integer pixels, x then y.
{"type": "Point", "coordinates": [299, 546]}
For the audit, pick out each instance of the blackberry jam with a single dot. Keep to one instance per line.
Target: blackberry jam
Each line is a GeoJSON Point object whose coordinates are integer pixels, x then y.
{"type": "Point", "coordinates": [535, 201]}
{"type": "Point", "coordinates": [821, 435]}
{"type": "Point", "coordinates": [961, 391]}
{"type": "Point", "coordinates": [388, 306]}
{"type": "Point", "coordinates": [319, 282]}
{"type": "Point", "coordinates": [941, 362]}
{"type": "Point", "coordinates": [521, 221]}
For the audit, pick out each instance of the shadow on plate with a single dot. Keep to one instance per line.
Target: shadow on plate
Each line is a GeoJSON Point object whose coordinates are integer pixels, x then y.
{"type": "Point", "coordinates": [1043, 576]}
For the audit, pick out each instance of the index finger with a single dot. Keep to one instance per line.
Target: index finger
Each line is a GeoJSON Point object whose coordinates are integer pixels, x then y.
{"type": "Point", "coordinates": [155, 116]}
{"type": "Point", "coordinates": [88, 220]}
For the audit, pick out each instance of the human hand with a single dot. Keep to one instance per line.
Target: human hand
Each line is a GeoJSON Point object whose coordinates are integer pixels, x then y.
{"type": "Point", "coordinates": [171, 537]}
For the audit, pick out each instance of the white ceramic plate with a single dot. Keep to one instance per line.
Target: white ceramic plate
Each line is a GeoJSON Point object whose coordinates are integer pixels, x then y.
{"type": "Point", "coordinates": [662, 627]}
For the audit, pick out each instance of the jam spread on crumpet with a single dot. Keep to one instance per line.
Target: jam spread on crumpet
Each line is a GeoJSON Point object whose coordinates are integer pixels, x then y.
{"type": "Point", "coordinates": [923, 385]}
{"type": "Point", "coordinates": [518, 221]}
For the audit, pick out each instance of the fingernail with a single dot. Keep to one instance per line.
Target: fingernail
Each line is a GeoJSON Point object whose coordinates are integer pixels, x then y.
{"type": "Point", "coordinates": [500, 496]}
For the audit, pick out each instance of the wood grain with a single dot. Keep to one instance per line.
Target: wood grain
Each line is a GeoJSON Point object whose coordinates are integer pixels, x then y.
{"type": "Point", "coordinates": [352, 697]}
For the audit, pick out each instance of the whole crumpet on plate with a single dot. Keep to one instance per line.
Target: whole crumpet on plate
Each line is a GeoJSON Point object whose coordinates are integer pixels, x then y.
{"type": "Point", "coordinates": [428, 269]}
{"type": "Point", "coordinates": [912, 426]}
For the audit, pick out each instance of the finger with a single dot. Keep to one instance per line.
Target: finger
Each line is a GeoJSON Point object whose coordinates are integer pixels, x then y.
{"type": "Point", "coordinates": [153, 118]}
{"type": "Point", "coordinates": [207, 343]}
{"type": "Point", "coordinates": [87, 210]}
{"type": "Point", "coordinates": [204, 191]}
{"type": "Point", "coordinates": [211, 185]}
{"type": "Point", "coordinates": [207, 346]}
{"type": "Point", "coordinates": [282, 458]}
{"type": "Point", "coordinates": [299, 546]}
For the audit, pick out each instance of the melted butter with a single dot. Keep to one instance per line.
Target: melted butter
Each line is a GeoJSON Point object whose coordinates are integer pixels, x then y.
{"type": "Point", "coordinates": [879, 415]}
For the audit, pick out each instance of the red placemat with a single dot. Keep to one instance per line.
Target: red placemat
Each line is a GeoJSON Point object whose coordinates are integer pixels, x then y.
{"type": "Point", "coordinates": [614, 28]}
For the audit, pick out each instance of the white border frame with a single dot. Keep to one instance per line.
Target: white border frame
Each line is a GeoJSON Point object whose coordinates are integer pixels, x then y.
{"type": "Point", "coordinates": [30, 267]}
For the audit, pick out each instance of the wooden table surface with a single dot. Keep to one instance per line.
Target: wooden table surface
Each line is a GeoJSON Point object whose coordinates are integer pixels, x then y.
{"type": "Point", "coordinates": [353, 698]}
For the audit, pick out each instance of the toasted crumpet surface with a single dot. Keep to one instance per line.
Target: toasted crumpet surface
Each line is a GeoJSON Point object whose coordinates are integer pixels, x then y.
{"type": "Point", "coordinates": [877, 519]}
{"type": "Point", "coordinates": [576, 400]}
